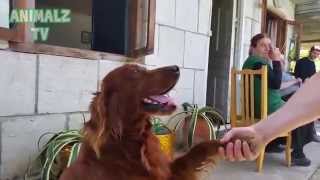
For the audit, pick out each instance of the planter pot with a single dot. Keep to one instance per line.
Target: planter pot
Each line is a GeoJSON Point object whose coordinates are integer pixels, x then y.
{"type": "Point", "coordinates": [202, 131]}
{"type": "Point", "coordinates": [167, 144]}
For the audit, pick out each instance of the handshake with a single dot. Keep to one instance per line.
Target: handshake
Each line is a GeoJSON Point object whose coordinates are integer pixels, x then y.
{"type": "Point", "coordinates": [241, 144]}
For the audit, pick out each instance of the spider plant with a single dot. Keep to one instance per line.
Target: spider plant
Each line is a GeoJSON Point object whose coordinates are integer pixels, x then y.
{"type": "Point", "coordinates": [192, 113]}
{"type": "Point", "coordinates": [57, 154]}
{"type": "Point", "coordinates": [158, 127]}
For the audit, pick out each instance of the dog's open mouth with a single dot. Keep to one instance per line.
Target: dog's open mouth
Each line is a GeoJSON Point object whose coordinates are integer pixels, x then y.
{"type": "Point", "coordinates": [159, 102]}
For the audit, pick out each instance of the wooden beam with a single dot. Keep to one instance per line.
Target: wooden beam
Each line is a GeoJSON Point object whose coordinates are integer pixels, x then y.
{"type": "Point", "coordinates": [67, 52]}
{"type": "Point", "coordinates": [133, 27]}
{"type": "Point", "coordinates": [299, 28]}
{"type": "Point", "coordinates": [7, 34]}
{"type": "Point", "coordinates": [21, 31]}
{"type": "Point", "coordinates": [264, 16]}
{"type": "Point", "coordinates": [151, 26]}
{"type": "Point", "coordinates": [136, 31]}
{"type": "Point", "coordinates": [310, 41]}
{"type": "Point", "coordinates": [21, 28]}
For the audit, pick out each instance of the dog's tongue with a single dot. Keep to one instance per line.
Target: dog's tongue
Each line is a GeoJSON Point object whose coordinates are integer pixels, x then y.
{"type": "Point", "coordinates": [162, 99]}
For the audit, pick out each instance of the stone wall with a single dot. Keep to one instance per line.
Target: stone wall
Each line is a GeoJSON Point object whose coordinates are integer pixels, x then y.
{"type": "Point", "coordinates": [182, 38]}
{"type": "Point", "coordinates": [44, 93]}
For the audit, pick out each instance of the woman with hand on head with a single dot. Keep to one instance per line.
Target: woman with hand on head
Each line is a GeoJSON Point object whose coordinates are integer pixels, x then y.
{"type": "Point", "coordinates": [262, 54]}
{"type": "Point", "coordinates": [245, 143]}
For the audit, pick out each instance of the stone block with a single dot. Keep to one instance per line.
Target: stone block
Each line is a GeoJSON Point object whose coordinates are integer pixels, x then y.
{"type": "Point", "coordinates": [66, 84]}
{"type": "Point", "coordinates": [17, 83]}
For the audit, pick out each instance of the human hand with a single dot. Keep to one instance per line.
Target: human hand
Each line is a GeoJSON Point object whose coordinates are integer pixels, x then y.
{"type": "Point", "coordinates": [299, 81]}
{"type": "Point", "coordinates": [275, 55]}
{"type": "Point", "coordinates": [241, 144]}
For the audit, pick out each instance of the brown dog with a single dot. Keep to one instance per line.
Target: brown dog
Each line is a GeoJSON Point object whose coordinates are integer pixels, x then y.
{"type": "Point", "coordinates": [118, 141]}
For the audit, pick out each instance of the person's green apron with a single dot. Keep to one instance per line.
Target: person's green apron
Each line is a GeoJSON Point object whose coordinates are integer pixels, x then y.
{"type": "Point", "coordinates": [274, 98]}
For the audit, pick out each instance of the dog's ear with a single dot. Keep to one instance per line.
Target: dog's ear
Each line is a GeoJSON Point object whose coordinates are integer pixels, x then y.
{"type": "Point", "coordinates": [101, 123]}
{"type": "Point", "coordinates": [108, 121]}
{"type": "Point", "coordinates": [114, 112]}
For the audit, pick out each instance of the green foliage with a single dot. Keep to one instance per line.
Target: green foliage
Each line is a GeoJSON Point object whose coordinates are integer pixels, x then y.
{"type": "Point", "coordinates": [211, 116]}
{"type": "Point", "coordinates": [50, 160]}
{"type": "Point", "coordinates": [158, 127]}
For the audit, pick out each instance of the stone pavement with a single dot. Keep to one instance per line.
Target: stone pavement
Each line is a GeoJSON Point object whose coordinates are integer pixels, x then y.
{"type": "Point", "coordinates": [274, 168]}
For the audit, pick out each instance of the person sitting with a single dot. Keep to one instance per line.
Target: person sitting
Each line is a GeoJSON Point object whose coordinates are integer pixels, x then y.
{"type": "Point", "coordinates": [246, 143]}
{"type": "Point", "coordinates": [261, 54]}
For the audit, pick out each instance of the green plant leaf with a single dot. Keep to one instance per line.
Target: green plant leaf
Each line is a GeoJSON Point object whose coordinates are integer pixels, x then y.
{"type": "Point", "coordinates": [212, 134]}
{"type": "Point", "coordinates": [158, 127]}
{"type": "Point", "coordinates": [217, 119]}
{"type": "Point", "coordinates": [51, 149]}
{"type": "Point", "coordinates": [50, 160]}
{"type": "Point", "coordinates": [42, 136]}
{"type": "Point", "coordinates": [215, 114]}
{"type": "Point", "coordinates": [177, 124]}
{"type": "Point", "coordinates": [179, 121]}
{"type": "Point", "coordinates": [54, 146]}
{"type": "Point", "coordinates": [187, 106]}
{"type": "Point", "coordinates": [192, 127]}
{"type": "Point", "coordinates": [74, 153]}
{"type": "Point", "coordinates": [210, 109]}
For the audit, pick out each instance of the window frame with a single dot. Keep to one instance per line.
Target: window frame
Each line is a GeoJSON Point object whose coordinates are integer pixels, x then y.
{"type": "Point", "coordinates": [264, 16]}
{"type": "Point", "coordinates": [19, 38]}
{"type": "Point", "coordinates": [18, 33]}
{"type": "Point", "coordinates": [149, 48]}
{"type": "Point", "coordinates": [298, 26]}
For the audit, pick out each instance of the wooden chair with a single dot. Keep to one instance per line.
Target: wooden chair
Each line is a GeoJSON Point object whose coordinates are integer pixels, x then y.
{"type": "Point", "coordinates": [246, 116]}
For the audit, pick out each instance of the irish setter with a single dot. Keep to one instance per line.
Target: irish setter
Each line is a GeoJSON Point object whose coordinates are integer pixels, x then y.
{"type": "Point", "coordinates": [119, 144]}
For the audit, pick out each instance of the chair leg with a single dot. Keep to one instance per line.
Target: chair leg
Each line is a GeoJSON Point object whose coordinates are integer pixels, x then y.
{"type": "Point", "coordinates": [288, 149]}
{"type": "Point", "coordinates": [260, 160]}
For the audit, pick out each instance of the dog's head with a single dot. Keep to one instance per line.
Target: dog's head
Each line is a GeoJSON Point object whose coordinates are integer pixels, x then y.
{"type": "Point", "coordinates": [129, 94]}
{"type": "Point", "coordinates": [135, 89]}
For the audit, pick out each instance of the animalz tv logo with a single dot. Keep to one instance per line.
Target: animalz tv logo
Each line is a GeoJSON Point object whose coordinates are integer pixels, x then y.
{"type": "Point", "coordinates": [40, 16]}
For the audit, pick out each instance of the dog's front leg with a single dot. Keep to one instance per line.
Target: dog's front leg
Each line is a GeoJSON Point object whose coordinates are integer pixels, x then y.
{"type": "Point", "coordinates": [197, 160]}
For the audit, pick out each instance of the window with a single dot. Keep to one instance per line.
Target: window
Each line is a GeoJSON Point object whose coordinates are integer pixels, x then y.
{"type": "Point", "coordinates": [277, 30]}
{"type": "Point", "coordinates": [284, 34]}
{"type": "Point", "coordinates": [134, 25]}
{"type": "Point", "coordinates": [123, 27]}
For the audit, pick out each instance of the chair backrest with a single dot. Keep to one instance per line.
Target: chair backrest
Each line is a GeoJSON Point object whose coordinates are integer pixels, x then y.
{"type": "Point", "coordinates": [244, 115]}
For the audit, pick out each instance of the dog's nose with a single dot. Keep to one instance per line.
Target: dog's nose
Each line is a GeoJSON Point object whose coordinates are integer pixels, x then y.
{"type": "Point", "coordinates": [174, 68]}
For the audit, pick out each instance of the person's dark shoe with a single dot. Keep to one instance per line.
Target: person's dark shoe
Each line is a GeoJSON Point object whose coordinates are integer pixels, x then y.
{"type": "Point", "coordinates": [303, 161]}
{"type": "Point", "coordinates": [316, 138]}
{"type": "Point", "coordinates": [274, 149]}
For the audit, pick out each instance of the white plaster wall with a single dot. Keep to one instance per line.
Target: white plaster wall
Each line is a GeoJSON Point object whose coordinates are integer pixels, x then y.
{"type": "Point", "coordinates": [182, 38]}
{"type": "Point", "coordinates": [42, 93]}
{"type": "Point", "coordinates": [17, 83]}
{"type": "Point", "coordinates": [66, 84]}
{"type": "Point", "coordinates": [19, 137]}
{"type": "Point", "coordinates": [250, 25]}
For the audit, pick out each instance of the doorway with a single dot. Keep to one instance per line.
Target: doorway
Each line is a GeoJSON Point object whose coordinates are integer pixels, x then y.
{"type": "Point", "coordinates": [220, 55]}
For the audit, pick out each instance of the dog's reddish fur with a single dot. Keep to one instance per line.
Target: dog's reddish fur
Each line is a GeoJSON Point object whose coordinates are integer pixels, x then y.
{"type": "Point", "coordinates": [118, 141]}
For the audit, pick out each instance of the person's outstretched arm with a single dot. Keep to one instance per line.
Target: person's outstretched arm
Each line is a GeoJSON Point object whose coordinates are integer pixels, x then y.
{"type": "Point", "coordinates": [303, 107]}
